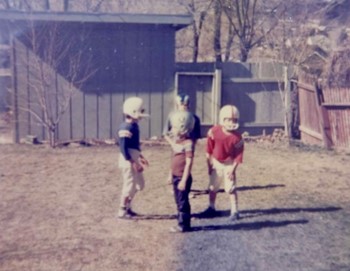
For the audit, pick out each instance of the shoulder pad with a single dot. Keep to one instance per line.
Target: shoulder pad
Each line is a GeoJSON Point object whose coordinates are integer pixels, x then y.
{"type": "Point", "coordinates": [124, 133]}
{"type": "Point", "coordinates": [210, 133]}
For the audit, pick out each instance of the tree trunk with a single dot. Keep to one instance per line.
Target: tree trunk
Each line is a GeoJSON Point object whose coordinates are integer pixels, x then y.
{"type": "Point", "coordinates": [47, 5]}
{"type": "Point", "coordinates": [195, 44]}
{"type": "Point", "coordinates": [229, 43]}
{"type": "Point", "coordinates": [217, 31]}
{"type": "Point", "coordinates": [52, 138]}
{"type": "Point", "coordinates": [66, 5]}
{"type": "Point", "coordinates": [244, 54]}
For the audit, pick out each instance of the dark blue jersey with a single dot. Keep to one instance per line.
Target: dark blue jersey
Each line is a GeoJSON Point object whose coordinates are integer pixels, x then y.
{"type": "Point", "coordinates": [196, 132]}
{"type": "Point", "coordinates": [128, 138]}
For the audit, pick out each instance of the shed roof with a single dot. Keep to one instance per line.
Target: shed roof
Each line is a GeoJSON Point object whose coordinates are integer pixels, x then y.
{"type": "Point", "coordinates": [177, 21]}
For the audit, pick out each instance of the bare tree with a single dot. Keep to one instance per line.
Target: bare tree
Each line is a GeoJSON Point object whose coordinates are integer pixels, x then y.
{"type": "Point", "coordinates": [248, 18]}
{"type": "Point", "coordinates": [59, 66]}
{"type": "Point", "coordinates": [229, 43]}
{"type": "Point", "coordinates": [288, 49]}
{"type": "Point", "coordinates": [217, 31]}
{"type": "Point", "coordinates": [199, 10]}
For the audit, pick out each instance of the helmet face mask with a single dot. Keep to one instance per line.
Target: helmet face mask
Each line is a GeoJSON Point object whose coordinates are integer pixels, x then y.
{"type": "Point", "coordinates": [230, 124]}
{"type": "Point", "coordinates": [182, 123]}
{"type": "Point", "coordinates": [182, 101]}
{"type": "Point", "coordinates": [229, 118]}
{"type": "Point", "coordinates": [133, 107]}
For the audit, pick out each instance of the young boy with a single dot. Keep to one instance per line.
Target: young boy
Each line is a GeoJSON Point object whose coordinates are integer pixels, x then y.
{"type": "Point", "coordinates": [131, 161]}
{"type": "Point", "coordinates": [224, 154]}
{"type": "Point", "coordinates": [182, 103]}
{"type": "Point", "coordinates": [182, 123]}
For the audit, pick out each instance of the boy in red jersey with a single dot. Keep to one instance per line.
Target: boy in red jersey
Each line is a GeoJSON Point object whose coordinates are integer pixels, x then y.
{"type": "Point", "coordinates": [224, 153]}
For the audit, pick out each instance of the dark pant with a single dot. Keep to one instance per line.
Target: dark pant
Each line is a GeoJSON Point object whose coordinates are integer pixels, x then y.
{"type": "Point", "coordinates": [182, 202]}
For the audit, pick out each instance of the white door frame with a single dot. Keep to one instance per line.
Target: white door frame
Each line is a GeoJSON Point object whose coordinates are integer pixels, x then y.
{"type": "Point", "coordinates": [215, 90]}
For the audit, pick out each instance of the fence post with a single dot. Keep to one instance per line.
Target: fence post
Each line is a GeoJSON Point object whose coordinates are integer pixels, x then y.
{"type": "Point", "coordinates": [324, 118]}
{"type": "Point", "coordinates": [217, 94]}
{"type": "Point", "coordinates": [287, 102]}
{"type": "Point", "coordinates": [14, 89]}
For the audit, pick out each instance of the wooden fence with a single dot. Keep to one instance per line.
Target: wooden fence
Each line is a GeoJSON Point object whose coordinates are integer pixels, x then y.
{"type": "Point", "coordinates": [255, 88]}
{"type": "Point", "coordinates": [324, 114]}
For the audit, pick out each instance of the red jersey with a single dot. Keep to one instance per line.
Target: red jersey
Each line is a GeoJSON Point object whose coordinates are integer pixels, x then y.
{"type": "Point", "coordinates": [223, 146]}
{"type": "Point", "coordinates": [182, 149]}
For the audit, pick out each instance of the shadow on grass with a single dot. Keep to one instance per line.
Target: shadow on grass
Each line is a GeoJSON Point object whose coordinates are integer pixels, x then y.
{"type": "Point", "coordinates": [154, 217]}
{"type": "Point", "coordinates": [197, 192]}
{"type": "Point", "coordinates": [257, 187]}
{"type": "Point", "coordinates": [250, 226]}
{"type": "Point", "coordinates": [273, 211]}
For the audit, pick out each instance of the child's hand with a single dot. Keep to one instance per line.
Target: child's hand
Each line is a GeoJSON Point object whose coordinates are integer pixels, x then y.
{"type": "Point", "coordinates": [181, 186]}
{"type": "Point", "coordinates": [210, 169]}
{"type": "Point", "coordinates": [170, 179]}
{"type": "Point", "coordinates": [144, 163]}
{"type": "Point", "coordinates": [231, 175]}
{"type": "Point", "coordinates": [137, 167]}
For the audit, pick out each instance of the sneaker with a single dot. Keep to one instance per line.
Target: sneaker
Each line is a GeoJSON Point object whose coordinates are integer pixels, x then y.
{"type": "Point", "coordinates": [131, 212]}
{"type": "Point", "coordinates": [178, 228]}
{"type": "Point", "coordinates": [123, 213]}
{"type": "Point", "coordinates": [232, 189]}
{"type": "Point", "coordinates": [235, 216]}
{"type": "Point", "coordinates": [209, 212]}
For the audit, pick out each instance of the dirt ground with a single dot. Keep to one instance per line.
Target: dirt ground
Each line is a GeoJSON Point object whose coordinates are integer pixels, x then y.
{"type": "Point", "coordinates": [58, 212]}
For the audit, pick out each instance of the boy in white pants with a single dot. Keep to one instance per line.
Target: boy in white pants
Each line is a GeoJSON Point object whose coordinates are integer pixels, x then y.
{"type": "Point", "coordinates": [131, 161]}
{"type": "Point", "coordinates": [224, 153]}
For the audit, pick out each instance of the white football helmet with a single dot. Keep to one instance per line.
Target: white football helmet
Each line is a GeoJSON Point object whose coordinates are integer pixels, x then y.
{"type": "Point", "coordinates": [182, 123]}
{"type": "Point", "coordinates": [228, 117]}
{"type": "Point", "coordinates": [133, 107]}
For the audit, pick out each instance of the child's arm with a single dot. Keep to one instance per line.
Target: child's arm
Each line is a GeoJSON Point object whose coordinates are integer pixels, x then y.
{"type": "Point", "coordinates": [210, 147]}
{"type": "Point", "coordinates": [166, 136]}
{"type": "Point", "coordinates": [124, 137]}
{"type": "Point", "coordinates": [232, 174]}
{"type": "Point", "coordinates": [143, 161]}
{"type": "Point", "coordinates": [187, 171]}
{"type": "Point", "coordinates": [166, 131]}
{"type": "Point", "coordinates": [209, 163]}
{"type": "Point", "coordinates": [169, 140]}
{"type": "Point", "coordinates": [239, 148]}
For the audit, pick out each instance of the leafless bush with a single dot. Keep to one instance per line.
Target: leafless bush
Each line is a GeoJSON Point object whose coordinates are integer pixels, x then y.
{"type": "Point", "coordinates": [337, 70]}
{"type": "Point", "coordinates": [57, 65]}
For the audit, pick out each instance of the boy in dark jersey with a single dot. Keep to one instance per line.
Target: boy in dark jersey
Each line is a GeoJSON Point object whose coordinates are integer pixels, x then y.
{"type": "Point", "coordinates": [131, 161]}
{"type": "Point", "coordinates": [182, 123]}
{"type": "Point", "coordinates": [224, 154]}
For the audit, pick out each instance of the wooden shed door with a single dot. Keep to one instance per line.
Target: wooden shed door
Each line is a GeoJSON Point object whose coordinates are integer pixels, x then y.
{"type": "Point", "coordinates": [204, 89]}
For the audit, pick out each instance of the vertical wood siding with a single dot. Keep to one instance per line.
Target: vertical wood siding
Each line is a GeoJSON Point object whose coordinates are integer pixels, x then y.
{"type": "Point", "coordinates": [130, 60]}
